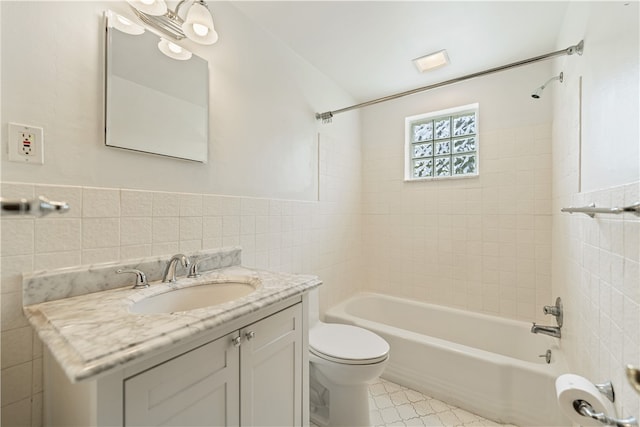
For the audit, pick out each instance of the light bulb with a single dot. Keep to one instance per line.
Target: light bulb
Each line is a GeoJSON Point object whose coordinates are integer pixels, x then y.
{"type": "Point", "coordinates": [124, 20]}
{"type": "Point", "coordinates": [174, 51]}
{"type": "Point", "coordinates": [123, 24]}
{"type": "Point", "coordinates": [150, 7]}
{"type": "Point", "coordinates": [200, 29]}
{"type": "Point", "coordinates": [175, 48]}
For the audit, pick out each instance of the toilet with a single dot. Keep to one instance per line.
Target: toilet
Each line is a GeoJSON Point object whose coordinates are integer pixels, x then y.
{"type": "Point", "coordinates": [343, 360]}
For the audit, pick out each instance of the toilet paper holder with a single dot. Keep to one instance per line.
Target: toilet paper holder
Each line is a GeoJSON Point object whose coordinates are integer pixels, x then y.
{"type": "Point", "coordinates": [585, 409]}
{"type": "Point", "coordinates": [607, 390]}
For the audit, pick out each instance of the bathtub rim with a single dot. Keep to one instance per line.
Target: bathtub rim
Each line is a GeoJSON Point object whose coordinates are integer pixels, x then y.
{"type": "Point", "coordinates": [488, 356]}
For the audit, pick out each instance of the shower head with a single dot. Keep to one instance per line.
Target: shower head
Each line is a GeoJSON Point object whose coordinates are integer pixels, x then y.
{"type": "Point", "coordinates": [538, 92]}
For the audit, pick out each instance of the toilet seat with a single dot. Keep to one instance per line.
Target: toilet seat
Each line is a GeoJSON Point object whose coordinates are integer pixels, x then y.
{"type": "Point", "coordinates": [347, 344]}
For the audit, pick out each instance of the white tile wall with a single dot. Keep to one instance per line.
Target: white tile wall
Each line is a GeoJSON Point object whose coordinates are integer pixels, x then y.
{"type": "Point", "coordinates": [595, 260]}
{"type": "Point", "coordinates": [106, 224]}
{"type": "Point", "coordinates": [481, 244]}
{"type": "Point", "coordinates": [596, 272]}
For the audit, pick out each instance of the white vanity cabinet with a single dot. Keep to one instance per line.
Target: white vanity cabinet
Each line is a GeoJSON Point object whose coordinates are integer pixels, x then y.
{"type": "Point", "coordinates": [254, 375]}
{"type": "Point", "coordinates": [198, 388]}
{"type": "Point", "coordinates": [271, 371]}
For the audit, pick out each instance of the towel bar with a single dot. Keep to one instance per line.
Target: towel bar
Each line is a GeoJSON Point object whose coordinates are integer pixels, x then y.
{"type": "Point", "coordinates": [592, 210]}
{"type": "Point", "coordinates": [39, 207]}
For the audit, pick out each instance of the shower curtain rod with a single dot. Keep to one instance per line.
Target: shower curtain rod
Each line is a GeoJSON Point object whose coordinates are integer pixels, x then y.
{"type": "Point", "coordinates": [328, 115]}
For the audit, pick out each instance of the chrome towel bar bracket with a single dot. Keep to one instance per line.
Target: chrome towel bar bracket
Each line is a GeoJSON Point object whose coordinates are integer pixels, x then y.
{"type": "Point", "coordinates": [592, 210]}
{"type": "Point", "coordinates": [38, 207]}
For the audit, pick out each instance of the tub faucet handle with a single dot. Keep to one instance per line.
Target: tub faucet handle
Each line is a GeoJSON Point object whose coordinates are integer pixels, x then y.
{"type": "Point", "coordinates": [555, 310]}
{"type": "Point", "coordinates": [551, 309]}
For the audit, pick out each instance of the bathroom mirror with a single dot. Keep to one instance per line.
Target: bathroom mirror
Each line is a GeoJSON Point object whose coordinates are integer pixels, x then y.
{"type": "Point", "coordinates": [154, 103]}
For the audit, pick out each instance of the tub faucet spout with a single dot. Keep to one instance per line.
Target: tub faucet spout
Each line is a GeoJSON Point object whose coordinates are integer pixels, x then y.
{"type": "Point", "coordinates": [553, 331]}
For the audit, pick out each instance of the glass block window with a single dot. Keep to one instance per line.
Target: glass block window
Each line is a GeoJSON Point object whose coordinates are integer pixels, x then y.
{"type": "Point", "coordinates": [442, 144]}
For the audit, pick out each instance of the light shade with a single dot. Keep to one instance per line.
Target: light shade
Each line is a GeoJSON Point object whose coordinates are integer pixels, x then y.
{"type": "Point", "coordinates": [432, 61]}
{"type": "Point", "coordinates": [174, 51]}
{"type": "Point", "coordinates": [198, 24]}
{"type": "Point", "coordinates": [123, 24]}
{"type": "Point", "coordinates": [150, 7]}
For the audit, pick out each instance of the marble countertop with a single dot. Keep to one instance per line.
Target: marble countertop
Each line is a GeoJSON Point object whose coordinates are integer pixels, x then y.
{"type": "Point", "coordinates": [95, 333]}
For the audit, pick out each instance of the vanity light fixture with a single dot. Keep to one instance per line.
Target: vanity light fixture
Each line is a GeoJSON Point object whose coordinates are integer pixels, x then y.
{"type": "Point", "coordinates": [196, 25]}
{"type": "Point", "coordinates": [172, 50]}
{"type": "Point", "coordinates": [432, 61]}
{"type": "Point", "coordinates": [165, 46]}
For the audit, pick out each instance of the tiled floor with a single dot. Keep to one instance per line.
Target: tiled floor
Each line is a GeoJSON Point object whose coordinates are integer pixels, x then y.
{"type": "Point", "coordinates": [394, 405]}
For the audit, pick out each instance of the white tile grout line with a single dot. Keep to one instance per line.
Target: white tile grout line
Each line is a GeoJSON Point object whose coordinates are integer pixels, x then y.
{"type": "Point", "coordinates": [395, 405]}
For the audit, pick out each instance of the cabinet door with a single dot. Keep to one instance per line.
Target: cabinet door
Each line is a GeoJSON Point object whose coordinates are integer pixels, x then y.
{"type": "Point", "coordinates": [198, 388]}
{"type": "Point", "coordinates": [271, 370]}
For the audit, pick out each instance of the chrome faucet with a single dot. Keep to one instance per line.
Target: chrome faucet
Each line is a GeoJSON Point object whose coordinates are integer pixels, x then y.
{"type": "Point", "coordinates": [557, 312]}
{"type": "Point", "coordinates": [553, 331]}
{"type": "Point", "coordinates": [169, 274]}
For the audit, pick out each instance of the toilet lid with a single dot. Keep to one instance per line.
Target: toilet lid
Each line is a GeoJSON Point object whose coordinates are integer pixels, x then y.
{"type": "Point", "coordinates": [347, 344]}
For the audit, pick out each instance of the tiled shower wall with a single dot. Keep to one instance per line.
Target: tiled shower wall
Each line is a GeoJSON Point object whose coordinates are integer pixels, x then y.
{"type": "Point", "coordinates": [482, 244]}
{"type": "Point", "coordinates": [107, 224]}
{"type": "Point", "coordinates": [596, 261]}
{"type": "Point", "coordinates": [597, 274]}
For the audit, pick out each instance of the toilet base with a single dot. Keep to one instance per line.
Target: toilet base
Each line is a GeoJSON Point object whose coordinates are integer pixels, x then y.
{"type": "Point", "coordinates": [340, 405]}
{"type": "Point", "coordinates": [318, 402]}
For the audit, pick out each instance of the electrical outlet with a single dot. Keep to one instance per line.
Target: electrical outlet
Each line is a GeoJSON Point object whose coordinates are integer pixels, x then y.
{"type": "Point", "coordinates": [26, 144]}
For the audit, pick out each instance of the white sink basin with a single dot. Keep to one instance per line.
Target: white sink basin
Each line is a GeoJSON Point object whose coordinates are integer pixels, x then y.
{"type": "Point", "coordinates": [193, 297]}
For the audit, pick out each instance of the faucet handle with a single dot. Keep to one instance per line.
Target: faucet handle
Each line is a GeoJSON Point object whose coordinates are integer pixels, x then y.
{"type": "Point", "coordinates": [555, 310]}
{"type": "Point", "coordinates": [141, 278]}
{"type": "Point", "coordinates": [551, 309]}
{"type": "Point", "coordinates": [193, 269]}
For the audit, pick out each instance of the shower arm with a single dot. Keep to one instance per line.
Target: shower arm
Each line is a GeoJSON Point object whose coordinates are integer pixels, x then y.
{"type": "Point", "coordinates": [578, 48]}
{"type": "Point", "coordinates": [536, 93]}
{"type": "Point", "coordinates": [560, 77]}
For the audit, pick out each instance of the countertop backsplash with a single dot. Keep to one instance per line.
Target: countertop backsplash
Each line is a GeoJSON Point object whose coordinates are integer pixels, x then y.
{"type": "Point", "coordinates": [51, 285]}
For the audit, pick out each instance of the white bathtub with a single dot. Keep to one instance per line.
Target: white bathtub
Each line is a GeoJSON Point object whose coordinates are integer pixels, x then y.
{"type": "Point", "coordinates": [484, 364]}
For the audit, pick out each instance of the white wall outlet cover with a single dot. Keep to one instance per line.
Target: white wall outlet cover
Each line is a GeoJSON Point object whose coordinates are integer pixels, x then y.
{"type": "Point", "coordinates": [26, 144]}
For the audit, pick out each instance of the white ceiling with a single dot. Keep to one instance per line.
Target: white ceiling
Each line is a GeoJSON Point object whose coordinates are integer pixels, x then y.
{"type": "Point", "coordinates": [367, 46]}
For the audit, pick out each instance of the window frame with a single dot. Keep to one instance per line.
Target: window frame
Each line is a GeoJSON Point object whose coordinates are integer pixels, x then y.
{"type": "Point", "coordinates": [451, 112]}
